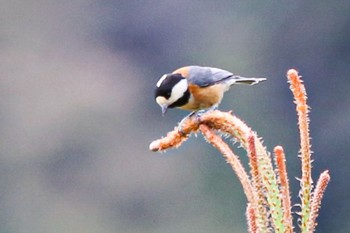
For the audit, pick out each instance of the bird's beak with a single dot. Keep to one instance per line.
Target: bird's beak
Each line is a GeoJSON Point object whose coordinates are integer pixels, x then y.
{"type": "Point", "coordinates": [164, 109]}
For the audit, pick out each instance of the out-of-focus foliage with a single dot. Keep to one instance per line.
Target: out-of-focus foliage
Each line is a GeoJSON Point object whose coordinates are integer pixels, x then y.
{"type": "Point", "coordinates": [77, 110]}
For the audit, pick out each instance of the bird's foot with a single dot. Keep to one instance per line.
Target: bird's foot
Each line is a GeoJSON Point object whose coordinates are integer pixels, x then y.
{"type": "Point", "coordinates": [200, 113]}
{"type": "Point", "coordinates": [197, 115]}
{"type": "Point", "coordinates": [179, 128]}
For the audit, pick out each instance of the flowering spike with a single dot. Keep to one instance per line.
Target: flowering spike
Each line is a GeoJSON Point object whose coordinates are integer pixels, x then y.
{"type": "Point", "coordinates": [260, 209]}
{"type": "Point", "coordinates": [175, 138]}
{"type": "Point", "coordinates": [251, 219]}
{"type": "Point", "coordinates": [284, 186]}
{"type": "Point", "coordinates": [300, 97]}
{"type": "Point", "coordinates": [317, 198]}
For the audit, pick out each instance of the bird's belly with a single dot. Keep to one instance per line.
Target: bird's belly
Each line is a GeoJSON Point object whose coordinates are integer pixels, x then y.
{"type": "Point", "coordinates": [204, 97]}
{"type": "Point", "coordinates": [194, 106]}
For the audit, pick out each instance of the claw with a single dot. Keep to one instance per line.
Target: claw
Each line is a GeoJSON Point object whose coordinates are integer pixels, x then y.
{"type": "Point", "coordinates": [179, 128]}
{"type": "Point", "coordinates": [203, 111]}
{"type": "Point", "coordinates": [197, 114]}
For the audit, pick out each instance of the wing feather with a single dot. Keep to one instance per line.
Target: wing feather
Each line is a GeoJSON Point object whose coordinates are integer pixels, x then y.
{"type": "Point", "coordinates": [207, 76]}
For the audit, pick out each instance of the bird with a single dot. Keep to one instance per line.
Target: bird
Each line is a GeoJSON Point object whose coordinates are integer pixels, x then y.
{"type": "Point", "coordinates": [196, 88]}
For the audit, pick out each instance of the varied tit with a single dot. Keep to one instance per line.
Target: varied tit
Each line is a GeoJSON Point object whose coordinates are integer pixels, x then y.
{"type": "Point", "coordinates": [196, 88]}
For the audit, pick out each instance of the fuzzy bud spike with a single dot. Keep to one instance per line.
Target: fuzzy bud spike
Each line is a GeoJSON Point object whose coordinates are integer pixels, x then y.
{"type": "Point", "coordinates": [298, 89]}
{"type": "Point", "coordinates": [317, 196]}
{"type": "Point", "coordinates": [251, 219]}
{"type": "Point", "coordinates": [284, 185]}
{"type": "Point", "coordinates": [260, 207]}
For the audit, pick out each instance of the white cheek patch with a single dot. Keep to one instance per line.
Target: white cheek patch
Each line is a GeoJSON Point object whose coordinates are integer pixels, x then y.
{"type": "Point", "coordinates": [161, 100]}
{"type": "Point", "coordinates": [161, 80]}
{"type": "Point", "coordinates": [178, 91]}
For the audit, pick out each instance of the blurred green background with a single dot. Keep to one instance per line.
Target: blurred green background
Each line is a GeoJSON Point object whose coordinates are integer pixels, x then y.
{"type": "Point", "coordinates": [78, 114]}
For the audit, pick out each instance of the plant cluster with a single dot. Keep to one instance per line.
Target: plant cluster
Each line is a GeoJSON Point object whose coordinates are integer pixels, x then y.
{"type": "Point", "coordinates": [266, 186]}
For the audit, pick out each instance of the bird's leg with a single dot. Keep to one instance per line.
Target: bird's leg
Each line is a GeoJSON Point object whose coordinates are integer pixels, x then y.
{"type": "Point", "coordinates": [197, 114]}
{"type": "Point", "coordinates": [203, 111]}
{"type": "Point", "coordinates": [179, 128]}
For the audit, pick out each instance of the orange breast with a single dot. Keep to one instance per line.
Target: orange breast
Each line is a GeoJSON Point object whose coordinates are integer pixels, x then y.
{"type": "Point", "coordinates": [204, 97]}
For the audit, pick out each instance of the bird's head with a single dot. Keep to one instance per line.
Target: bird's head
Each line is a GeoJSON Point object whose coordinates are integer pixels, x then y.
{"type": "Point", "coordinates": [171, 91]}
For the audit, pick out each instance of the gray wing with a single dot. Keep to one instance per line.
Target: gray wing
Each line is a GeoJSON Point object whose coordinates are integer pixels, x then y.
{"type": "Point", "coordinates": [207, 76]}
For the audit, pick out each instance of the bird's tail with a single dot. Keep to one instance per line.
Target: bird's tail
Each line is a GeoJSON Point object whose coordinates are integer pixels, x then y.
{"type": "Point", "coordinates": [249, 81]}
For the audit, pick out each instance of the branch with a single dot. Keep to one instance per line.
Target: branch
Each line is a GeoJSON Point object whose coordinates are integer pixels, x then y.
{"type": "Point", "coordinates": [227, 123]}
